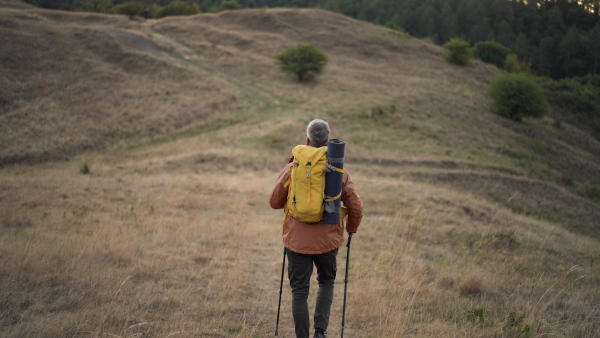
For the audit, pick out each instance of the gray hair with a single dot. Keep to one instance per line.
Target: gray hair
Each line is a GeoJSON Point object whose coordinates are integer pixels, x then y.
{"type": "Point", "coordinates": [318, 133]}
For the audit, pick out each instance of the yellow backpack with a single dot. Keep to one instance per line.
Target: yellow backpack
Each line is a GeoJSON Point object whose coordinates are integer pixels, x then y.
{"type": "Point", "coordinates": [306, 192]}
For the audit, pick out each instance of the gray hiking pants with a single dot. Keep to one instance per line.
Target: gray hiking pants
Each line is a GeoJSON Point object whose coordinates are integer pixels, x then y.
{"type": "Point", "coordinates": [300, 269]}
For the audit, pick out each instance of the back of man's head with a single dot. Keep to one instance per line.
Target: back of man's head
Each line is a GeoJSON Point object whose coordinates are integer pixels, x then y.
{"type": "Point", "coordinates": [318, 133]}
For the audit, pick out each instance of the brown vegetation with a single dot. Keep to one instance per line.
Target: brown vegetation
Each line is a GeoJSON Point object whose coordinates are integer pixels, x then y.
{"type": "Point", "coordinates": [184, 124]}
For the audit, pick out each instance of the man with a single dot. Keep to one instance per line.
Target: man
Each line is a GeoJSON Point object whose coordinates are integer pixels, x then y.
{"type": "Point", "coordinates": [314, 243]}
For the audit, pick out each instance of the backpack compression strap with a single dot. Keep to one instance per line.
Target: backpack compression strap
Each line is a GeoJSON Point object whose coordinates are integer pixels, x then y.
{"type": "Point", "coordinates": [329, 168]}
{"type": "Point", "coordinates": [333, 198]}
{"type": "Point", "coordinates": [329, 204]}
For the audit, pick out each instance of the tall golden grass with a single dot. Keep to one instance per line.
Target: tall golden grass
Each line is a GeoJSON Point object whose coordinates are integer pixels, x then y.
{"type": "Point", "coordinates": [156, 245]}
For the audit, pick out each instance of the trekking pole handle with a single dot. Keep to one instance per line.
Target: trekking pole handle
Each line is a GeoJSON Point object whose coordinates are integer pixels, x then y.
{"type": "Point", "coordinates": [349, 239]}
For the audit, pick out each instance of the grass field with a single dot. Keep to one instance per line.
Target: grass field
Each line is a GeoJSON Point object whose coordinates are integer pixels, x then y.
{"type": "Point", "coordinates": [474, 226]}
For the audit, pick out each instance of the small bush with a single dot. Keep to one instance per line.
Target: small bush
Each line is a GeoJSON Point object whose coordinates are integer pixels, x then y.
{"type": "Point", "coordinates": [580, 95]}
{"type": "Point", "coordinates": [515, 326]}
{"type": "Point", "coordinates": [515, 319]}
{"type": "Point", "coordinates": [176, 8]}
{"type": "Point", "coordinates": [392, 26]}
{"type": "Point", "coordinates": [477, 315]}
{"type": "Point", "coordinates": [567, 180]}
{"type": "Point", "coordinates": [230, 5]}
{"type": "Point", "coordinates": [225, 6]}
{"type": "Point", "coordinates": [304, 61]}
{"type": "Point", "coordinates": [511, 64]}
{"type": "Point", "coordinates": [458, 51]}
{"type": "Point", "coordinates": [517, 96]}
{"type": "Point", "coordinates": [592, 193]}
{"type": "Point", "coordinates": [85, 169]}
{"type": "Point", "coordinates": [491, 52]}
{"type": "Point", "coordinates": [590, 79]}
{"type": "Point", "coordinates": [130, 9]}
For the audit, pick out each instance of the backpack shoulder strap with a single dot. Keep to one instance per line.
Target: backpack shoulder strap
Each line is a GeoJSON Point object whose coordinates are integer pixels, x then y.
{"type": "Point", "coordinates": [289, 180]}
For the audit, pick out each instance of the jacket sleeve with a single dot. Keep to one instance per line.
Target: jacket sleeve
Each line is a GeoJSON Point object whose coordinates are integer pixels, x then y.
{"type": "Point", "coordinates": [279, 193]}
{"type": "Point", "coordinates": [352, 201]}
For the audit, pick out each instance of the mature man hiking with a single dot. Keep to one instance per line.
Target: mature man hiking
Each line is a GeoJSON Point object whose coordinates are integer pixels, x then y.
{"type": "Point", "coordinates": [314, 243]}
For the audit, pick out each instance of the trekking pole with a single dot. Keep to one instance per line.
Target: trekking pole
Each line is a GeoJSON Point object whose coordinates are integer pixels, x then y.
{"type": "Point", "coordinates": [280, 291]}
{"type": "Point", "coordinates": [346, 280]}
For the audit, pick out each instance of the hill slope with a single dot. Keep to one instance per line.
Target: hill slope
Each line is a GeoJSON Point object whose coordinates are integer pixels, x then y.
{"type": "Point", "coordinates": [185, 123]}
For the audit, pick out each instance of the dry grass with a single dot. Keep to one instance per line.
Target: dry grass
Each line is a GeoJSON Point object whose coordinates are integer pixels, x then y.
{"type": "Point", "coordinates": [185, 123]}
{"type": "Point", "coordinates": [156, 245]}
{"type": "Point", "coordinates": [122, 252]}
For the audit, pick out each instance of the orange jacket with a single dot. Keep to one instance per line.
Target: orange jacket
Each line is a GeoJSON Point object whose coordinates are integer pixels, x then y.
{"type": "Point", "coordinates": [316, 238]}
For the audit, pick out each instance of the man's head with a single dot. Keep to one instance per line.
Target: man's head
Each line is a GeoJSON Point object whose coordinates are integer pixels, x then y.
{"type": "Point", "coordinates": [317, 133]}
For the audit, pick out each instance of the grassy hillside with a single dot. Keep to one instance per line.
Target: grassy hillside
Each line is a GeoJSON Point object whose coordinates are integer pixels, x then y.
{"type": "Point", "coordinates": [474, 225]}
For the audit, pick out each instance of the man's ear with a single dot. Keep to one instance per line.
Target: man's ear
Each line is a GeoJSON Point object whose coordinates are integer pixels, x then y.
{"type": "Point", "coordinates": [307, 141]}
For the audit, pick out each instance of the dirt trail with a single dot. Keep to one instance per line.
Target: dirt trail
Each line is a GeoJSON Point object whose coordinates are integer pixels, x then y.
{"type": "Point", "coordinates": [267, 103]}
{"type": "Point", "coordinates": [180, 49]}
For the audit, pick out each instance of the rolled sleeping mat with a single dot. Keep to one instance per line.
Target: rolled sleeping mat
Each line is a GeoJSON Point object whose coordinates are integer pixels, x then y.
{"type": "Point", "coordinates": [333, 181]}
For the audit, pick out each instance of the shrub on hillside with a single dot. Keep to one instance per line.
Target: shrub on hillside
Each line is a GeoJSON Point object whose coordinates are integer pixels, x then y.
{"type": "Point", "coordinates": [592, 193]}
{"type": "Point", "coordinates": [392, 26]}
{"type": "Point", "coordinates": [511, 64]}
{"type": "Point", "coordinates": [578, 95]}
{"type": "Point", "coordinates": [225, 6]}
{"type": "Point", "coordinates": [491, 52]}
{"type": "Point", "coordinates": [304, 60]}
{"type": "Point", "coordinates": [458, 51]}
{"type": "Point", "coordinates": [590, 79]}
{"type": "Point", "coordinates": [130, 9]}
{"type": "Point", "coordinates": [178, 8]}
{"type": "Point", "coordinates": [85, 169]}
{"type": "Point", "coordinates": [231, 5]}
{"type": "Point", "coordinates": [517, 96]}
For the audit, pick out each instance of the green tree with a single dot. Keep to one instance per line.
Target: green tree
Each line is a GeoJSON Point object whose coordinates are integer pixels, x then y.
{"type": "Point", "coordinates": [229, 5]}
{"type": "Point", "coordinates": [131, 9]}
{"type": "Point", "coordinates": [458, 51]}
{"type": "Point", "coordinates": [368, 12]}
{"type": "Point", "coordinates": [481, 31]}
{"type": "Point", "coordinates": [178, 7]}
{"type": "Point", "coordinates": [505, 34]}
{"type": "Point", "coordinates": [304, 61]}
{"type": "Point", "coordinates": [491, 52]}
{"type": "Point", "coordinates": [570, 46]}
{"type": "Point", "coordinates": [594, 48]}
{"type": "Point", "coordinates": [448, 23]}
{"type": "Point", "coordinates": [465, 18]}
{"type": "Point", "coordinates": [427, 23]}
{"type": "Point", "coordinates": [521, 46]}
{"type": "Point", "coordinates": [546, 58]}
{"type": "Point", "coordinates": [517, 96]}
